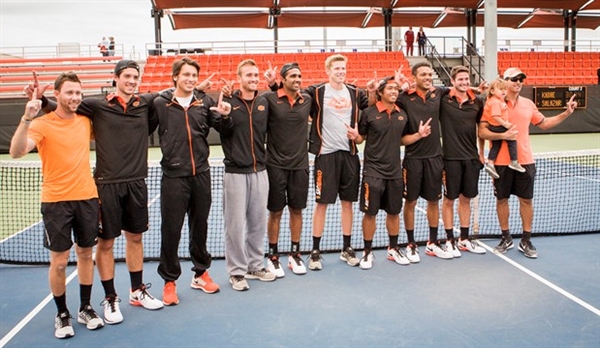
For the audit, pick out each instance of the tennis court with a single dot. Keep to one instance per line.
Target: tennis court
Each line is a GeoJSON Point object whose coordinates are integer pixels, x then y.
{"type": "Point", "coordinates": [477, 300]}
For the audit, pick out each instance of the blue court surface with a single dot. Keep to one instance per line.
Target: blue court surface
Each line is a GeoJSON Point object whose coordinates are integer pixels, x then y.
{"type": "Point", "coordinates": [475, 301]}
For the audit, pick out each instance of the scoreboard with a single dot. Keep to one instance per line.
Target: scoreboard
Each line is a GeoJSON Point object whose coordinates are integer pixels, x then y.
{"type": "Point", "coordinates": [557, 97]}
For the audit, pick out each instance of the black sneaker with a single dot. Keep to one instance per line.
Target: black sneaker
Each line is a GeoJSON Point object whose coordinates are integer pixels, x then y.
{"type": "Point", "coordinates": [528, 249]}
{"type": "Point", "coordinates": [504, 245]}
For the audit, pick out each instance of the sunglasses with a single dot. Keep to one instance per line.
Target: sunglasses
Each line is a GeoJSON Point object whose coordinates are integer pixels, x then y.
{"type": "Point", "coordinates": [516, 78]}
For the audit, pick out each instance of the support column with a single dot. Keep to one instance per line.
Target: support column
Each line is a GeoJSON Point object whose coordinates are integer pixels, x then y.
{"type": "Point", "coordinates": [491, 40]}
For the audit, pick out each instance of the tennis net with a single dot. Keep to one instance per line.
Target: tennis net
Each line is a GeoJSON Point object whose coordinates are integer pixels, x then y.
{"type": "Point", "coordinates": [567, 200]}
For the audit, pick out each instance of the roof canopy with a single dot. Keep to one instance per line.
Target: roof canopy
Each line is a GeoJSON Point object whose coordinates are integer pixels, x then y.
{"type": "Point", "coordinates": [268, 14]}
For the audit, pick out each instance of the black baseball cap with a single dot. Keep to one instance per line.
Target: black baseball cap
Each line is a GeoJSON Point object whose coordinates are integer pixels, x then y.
{"type": "Point", "coordinates": [125, 64]}
{"type": "Point", "coordinates": [287, 67]}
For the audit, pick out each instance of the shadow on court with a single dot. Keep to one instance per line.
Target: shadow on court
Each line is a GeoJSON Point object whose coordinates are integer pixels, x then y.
{"type": "Point", "coordinates": [474, 301]}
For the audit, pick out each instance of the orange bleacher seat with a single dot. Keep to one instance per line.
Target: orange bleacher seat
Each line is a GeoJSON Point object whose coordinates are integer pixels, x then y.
{"type": "Point", "coordinates": [550, 63]}
{"type": "Point", "coordinates": [560, 63]}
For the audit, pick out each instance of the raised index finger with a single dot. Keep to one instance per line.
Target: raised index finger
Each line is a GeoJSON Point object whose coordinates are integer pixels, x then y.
{"type": "Point", "coordinates": [572, 97]}
{"type": "Point", "coordinates": [220, 99]}
{"type": "Point", "coordinates": [34, 95]}
{"type": "Point", "coordinates": [36, 81]}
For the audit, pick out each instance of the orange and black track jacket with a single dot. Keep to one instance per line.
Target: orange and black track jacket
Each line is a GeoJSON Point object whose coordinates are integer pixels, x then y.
{"type": "Point", "coordinates": [183, 133]}
{"type": "Point", "coordinates": [244, 144]}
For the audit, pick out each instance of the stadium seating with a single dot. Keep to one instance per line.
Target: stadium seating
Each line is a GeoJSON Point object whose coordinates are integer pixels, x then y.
{"type": "Point", "coordinates": [95, 73]}
{"type": "Point", "coordinates": [361, 67]}
{"type": "Point", "coordinates": [553, 68]}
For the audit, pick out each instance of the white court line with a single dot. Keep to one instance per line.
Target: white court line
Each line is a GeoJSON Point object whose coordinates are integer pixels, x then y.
{"type": "Point", "coordinates": [32, 314]}
{"type": "Point", "coordinates": [542, 280]}
{"type": "Point", "coordinates": [537, 277]}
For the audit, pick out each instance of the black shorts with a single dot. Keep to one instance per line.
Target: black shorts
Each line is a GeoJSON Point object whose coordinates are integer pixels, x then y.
{"type": "Point", "coordinates": [337, 173]}
{"type": "Point", "coordinates": [461, 177]}
{"type": "Point", "coordinates": [60, 218]}
{"type": "Point", "coordinates": [287, 187]}
{"type": "Point", "coordinates": [384, 194]}
{"type": "Point", "coordinates": [515, 183]}
{"type": "Point", "coordinates": [422, 178]}
{"type": "Point", "coordinates": [123, 206]}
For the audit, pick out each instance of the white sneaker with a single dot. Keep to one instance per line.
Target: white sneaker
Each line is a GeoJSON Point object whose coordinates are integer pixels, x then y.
{"type": "Point", "coordinates": [296, 264]}
{"type": "Point", "coordinates": [451, 247]}
{"type": "Point", "coordinates": [112, 311]}
{"type": "Point", "coordinates": [62, 326]}
{"type": "Point", "coordinates": [394, 254]}
{"type": "Point", "coordinates": [412, 253]}
{"type": "Point", "coordinates": [274, 266]}
{"type": "Point", "coordinates": [90, 318]}
{"type": "Point", "coordinates": [433, 249]}
{"type": "Point", "coordinates": [471, 246]}
{"type": "Point", "coordinates": [366, 261]}
{"type": "Point", "coordinates": [261, 274]}
{"type": "Point", "coordinates": [314, 260]}
{"type": "Point", "coordinates": [141, 297]}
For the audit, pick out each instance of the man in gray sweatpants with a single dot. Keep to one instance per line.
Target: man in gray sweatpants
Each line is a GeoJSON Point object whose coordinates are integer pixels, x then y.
{"type": "Point", "coordinates": [245, 183]}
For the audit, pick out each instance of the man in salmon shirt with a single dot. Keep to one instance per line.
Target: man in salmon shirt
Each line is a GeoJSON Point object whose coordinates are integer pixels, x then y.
{"type": "Point", "coordinates": [69, 195]}
{"type": "Point", "coordinates": [521, 113]}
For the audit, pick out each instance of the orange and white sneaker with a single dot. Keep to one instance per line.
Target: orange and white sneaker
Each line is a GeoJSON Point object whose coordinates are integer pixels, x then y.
{"type": "Point", "coordinates": [204, 283]}
{"type": "Point", "coordinates": [170, 294]}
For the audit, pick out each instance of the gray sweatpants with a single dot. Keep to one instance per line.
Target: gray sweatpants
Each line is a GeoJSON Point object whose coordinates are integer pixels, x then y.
{"type": "Point", "coordinates": [245, 220]}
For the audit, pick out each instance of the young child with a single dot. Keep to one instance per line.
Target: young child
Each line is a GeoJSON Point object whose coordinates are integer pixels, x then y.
{"type": "Point", "coordinates": [498, 123]}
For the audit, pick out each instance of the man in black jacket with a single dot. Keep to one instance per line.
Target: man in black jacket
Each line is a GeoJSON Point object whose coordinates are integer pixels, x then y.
{"type": "Point", "coordinates": [184, 119]}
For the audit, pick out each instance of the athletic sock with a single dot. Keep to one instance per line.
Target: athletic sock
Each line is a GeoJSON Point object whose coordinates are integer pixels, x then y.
{"type": "Point", "coordinates": [316, 243]}
{"type": "Point", "coordinates": [295, 247]}
{"type": "Point", "coordinates": [347, 242]}
{"type": "Point", "coordinates": [199, 273]}
{"type": "Point", "coordinates": [273, 249]}
{"type": "Point", "coordinates": [393, 241]}
{"type": "Point", "coordinates": [85, 294]}
{"type": "Point", "coordinates": [368, 245]}
{"type": "Point", "coordinates": [410, 235]}
{"type": "Point", "coordinates": [433, 232]}
{"type": "Point", "coordinates": [506, 234]}
{"type": "Point", "coordinates": [526, 236]}
{"type": "Point", "coordinates": [449, 234]}
{"type": "Point", "coordinates": [464, 233]}
{"type": "Point", "coordinates": [136, 280]}
{"type": "Point", "coordinates": [61, 303]}
{"type": "Point", "coordinates": [109, 287]}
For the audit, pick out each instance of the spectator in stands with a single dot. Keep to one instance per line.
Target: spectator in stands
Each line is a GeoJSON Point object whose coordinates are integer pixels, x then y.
{"type": "Point", "coordinates": [421, 40]}
{"type": "Point", "coordinates": [383, 127]}
{"type": "Point", "coordinates": [103, 45]}
{"type": "Point", "coordinates": [521, 113]}
{"type": "Point", "coordinates": [69, 196]}
{"type": "Point", "coordinates": [460, 113]}
{"type": "Point", "coordinates": [184, 120]}
{"type": "Point", "coordinates": [111, 46]}
{"type": "Point", "coordinates": [409, 39]}
{"type": "Point", "coordinates": [287, 163]}
{"type": "Point", "coordinates": [245, 183]}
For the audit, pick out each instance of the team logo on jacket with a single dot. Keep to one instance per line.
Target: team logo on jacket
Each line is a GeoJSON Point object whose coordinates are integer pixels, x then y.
{"type": "Point", "coordinates": [261, 108]}
{"type": "Point", "coordinates": [301, 101]}
{"type": "Point", "coordinates": [136, 103]}
{"type": "Point", "coordinates": [400, 118]}
{"type": "Point", "coordinates": [432, 95]}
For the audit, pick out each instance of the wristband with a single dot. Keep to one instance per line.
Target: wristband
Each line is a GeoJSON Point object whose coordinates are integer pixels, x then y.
{"type": "Point", "coordinates": [26, 120]}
